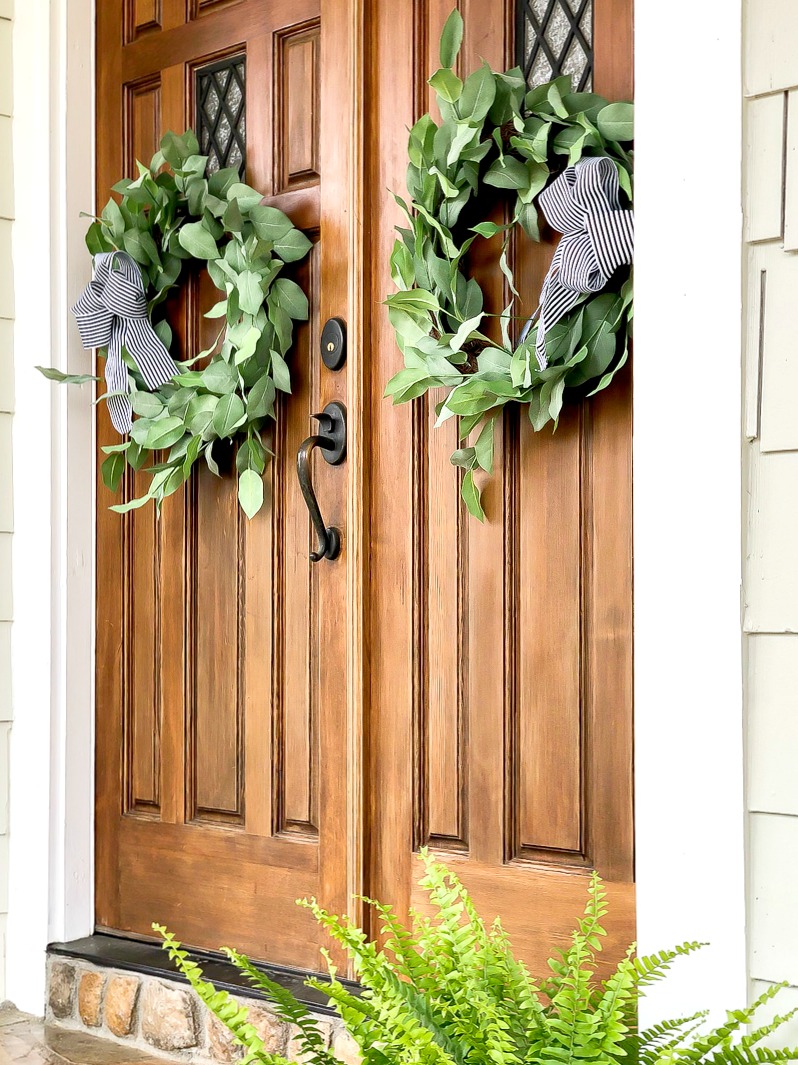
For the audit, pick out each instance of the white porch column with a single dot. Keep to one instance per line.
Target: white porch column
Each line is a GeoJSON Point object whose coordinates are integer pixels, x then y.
{"type": "Point", "coordinates": [51, 802]}
{"type": "Point", "coordinates": [687, 499]}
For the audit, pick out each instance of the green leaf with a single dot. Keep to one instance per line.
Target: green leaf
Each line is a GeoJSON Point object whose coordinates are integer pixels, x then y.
{"type": "Point", "coordinates": [146, 405]}
{"type": "Point", "coordinates": [178, 403]}
{"type": "Point", "coordinates": [465, 330]}
{"type": "Point", "coordinates": [245, 195]}
{"type": "Point", "coordinates": [463, 137]}
{"type": "Point", "coordinates": [197, 241]}
{"type": "Point", "coordinates": [416, 300]}
{"type": "Point", "coordinates": [554, 96]}
{"type": "Point", "coordinates": [246, 349]}
{"type": "Point", "coordinates": [616, 122]}
{"type": "Point", "coordinates": [154, 435]}
{"type": "Point", "coordinates": [197, 195]}
{"type": "Point", "coordinates": [484, 446]}
{"type": "Point", "coordinates": [250, 292]}
{"type": "Point", "coordinates": [232, 217]}
{"type": "Point", "coordinates": [134, 504]}
{"type": "Point", "coordinates": [228, 415]}
{"type": "Point", "coordinates": [487, 229]}
{"type": "Point", "coordinates": [269, 223]}
{"type": "Point", "coordinates": [95, 240]}
{"type": "Point", "coordinates": [114, 219]}
{"type": "Point", "coordinates": [176, 148]}
{"type": "Point", "coordinates": [250, 492]}
{"type": "Point", "coordinates": [280, 372]}
{"type": "Point", "coordinates": [402, 272]}
{"type": "Point", "coordinates": [260, 398]}
{"type": "Point", "coordinates": [164, 332]}
{"type": "Point", "coordinates": [220, 182]}
{"type": "Point", "coordinates": [199, 416]}
{"type": "Point", "coordinates": [52, 374]}
{"type": "Point", "coordinates": [479, 93]}
{"type": "Point", "coordinates": [624, 180]}
{"type": "Point", "coordinates": [446, 84]}
{"type": "Point", "coordinates": [507, 173]}
{"type": "Point", "coordinates": [449, 190]}
{"type": "Point", "coordinates": [293, 246]}
{"type": "Point", "coordinates": [291, 298]}
{"type": "Point", "coordinates": [192, 452]}
{"type": "Point", "coordinates": [219, 378]}
{"type": "Point", "coordinates": [112, 469]}
{"type": "Point", "coordinates": [134, 244]}
{"type": "Point", "coordinates": [451, 39]}
{"type": "Point", "coordinates": [472, 494]}
{"type": "Point", "coordinates": [464, 457]}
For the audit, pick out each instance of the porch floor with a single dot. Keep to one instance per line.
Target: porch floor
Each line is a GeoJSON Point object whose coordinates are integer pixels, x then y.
{"type": "Point", "coordinates": [26, 1040]}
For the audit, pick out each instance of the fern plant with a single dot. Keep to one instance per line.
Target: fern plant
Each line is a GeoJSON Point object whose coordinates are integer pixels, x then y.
{"type": "Point", "coordinates": [448, 990]}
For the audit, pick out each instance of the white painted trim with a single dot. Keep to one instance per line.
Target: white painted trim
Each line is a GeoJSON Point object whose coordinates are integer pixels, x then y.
{"type": "Point", "coordinates": [687, 500]}
{"type": "Point", "coordinates": [51, 805]}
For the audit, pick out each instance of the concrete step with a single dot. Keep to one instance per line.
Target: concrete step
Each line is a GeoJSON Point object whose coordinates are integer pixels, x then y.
{"type": "Point", "coordinates": [27, 1040]}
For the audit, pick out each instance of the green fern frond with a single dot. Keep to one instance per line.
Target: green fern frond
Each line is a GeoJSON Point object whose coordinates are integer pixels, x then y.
{"type": "Point", "coordinates": [738, 1055]}
{"type": "Point", "coordinates": [395, 1000]}
{"type": "Point", "coordinates": [653, 967]}
{"type": "Point", "coordinates": [288, 1008]}
{"type": "Point", "coordinates": [222, 1005]}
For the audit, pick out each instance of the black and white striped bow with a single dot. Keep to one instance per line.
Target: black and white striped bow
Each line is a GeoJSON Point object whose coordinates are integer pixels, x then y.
{"type": "Point", "coordinates": [597, 237]}
{"type": "Point", "coordinates": [112, 313]}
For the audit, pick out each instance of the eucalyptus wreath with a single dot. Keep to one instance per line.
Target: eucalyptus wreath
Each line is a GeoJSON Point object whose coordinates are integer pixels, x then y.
{"type": "Point", "coordinates": [167, 217]}
{"type": "Point", "coordinates": [495, 132]}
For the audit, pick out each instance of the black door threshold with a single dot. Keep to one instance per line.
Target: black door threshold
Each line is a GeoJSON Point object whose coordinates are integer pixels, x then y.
{"type": "Point", "coordinates": [149, 959]}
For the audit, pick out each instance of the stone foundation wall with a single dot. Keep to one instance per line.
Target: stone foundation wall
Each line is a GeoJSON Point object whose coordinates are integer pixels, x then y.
{"type": "Point", "coordinates": [166, 1017]}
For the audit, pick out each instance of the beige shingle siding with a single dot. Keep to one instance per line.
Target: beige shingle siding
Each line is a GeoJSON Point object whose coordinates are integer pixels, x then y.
{"type": "Point", "coordinates": [770, 497]}
{"type": "Point", "coordinates": [6, 416]}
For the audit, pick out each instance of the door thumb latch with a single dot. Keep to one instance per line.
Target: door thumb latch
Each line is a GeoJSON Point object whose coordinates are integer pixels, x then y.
{"type": "Point", "coordinates": [331, 440]}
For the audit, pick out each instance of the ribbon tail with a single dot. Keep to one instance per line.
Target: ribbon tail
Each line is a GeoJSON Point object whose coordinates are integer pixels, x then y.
{"type": "Point", "coordinates": [116, 381]}
{"type": "Point", "coordinates": [556, 303]}
{"type": "Point", "coordinates": [153, 360]}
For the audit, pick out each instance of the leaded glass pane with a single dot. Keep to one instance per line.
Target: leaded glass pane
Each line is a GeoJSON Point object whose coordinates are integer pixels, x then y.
{"type": "Point", "coordinates": [221, 113]}
{"type": "Point", "coordinates": [555, 37]}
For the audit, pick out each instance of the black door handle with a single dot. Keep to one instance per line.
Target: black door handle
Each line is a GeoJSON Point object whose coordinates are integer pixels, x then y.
{"type": "Point", "coordinates": [332, 442]}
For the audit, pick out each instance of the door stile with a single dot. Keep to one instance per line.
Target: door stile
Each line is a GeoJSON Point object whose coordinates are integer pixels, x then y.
{"type": "Point", "coordinates": [342, 490]}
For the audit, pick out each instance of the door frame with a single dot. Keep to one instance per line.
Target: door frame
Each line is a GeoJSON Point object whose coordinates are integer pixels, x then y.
{"type": "Point", "coordinates": [682, 568]}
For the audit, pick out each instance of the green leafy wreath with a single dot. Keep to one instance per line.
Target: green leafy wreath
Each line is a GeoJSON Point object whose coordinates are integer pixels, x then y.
{"type": "Point", "coordinates": [495, 132]}
{"type": "Point", "coordinates": [167, 216]}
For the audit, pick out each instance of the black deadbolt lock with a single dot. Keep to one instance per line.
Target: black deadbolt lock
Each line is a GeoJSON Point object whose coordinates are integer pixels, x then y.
{"type": "Point", "coordinates": [333, 343]}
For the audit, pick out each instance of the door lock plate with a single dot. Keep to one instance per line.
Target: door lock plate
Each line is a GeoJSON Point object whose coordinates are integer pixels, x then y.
{"type": "Point", "coordinates": [333, 343]}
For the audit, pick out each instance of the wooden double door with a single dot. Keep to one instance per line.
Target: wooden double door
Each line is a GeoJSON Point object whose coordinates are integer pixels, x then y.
{"type": "Point", "coordinates": [270, 728]}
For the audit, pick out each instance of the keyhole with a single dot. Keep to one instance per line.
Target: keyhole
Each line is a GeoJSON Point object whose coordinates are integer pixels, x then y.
{"type": "Point", "coordinates": [332, 343]}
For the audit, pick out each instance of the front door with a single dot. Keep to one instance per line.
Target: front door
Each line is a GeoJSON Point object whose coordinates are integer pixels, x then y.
{"type": "Point", "coordinates": [267, 727]}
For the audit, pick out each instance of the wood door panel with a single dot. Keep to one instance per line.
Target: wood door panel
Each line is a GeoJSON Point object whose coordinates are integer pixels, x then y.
{"type": "Point", "coordinates": [141, 533]}
{"type": "Point", "coordinates": [296, 588]}
{"type": "Point", "coordinates": [141, 16]}
{"type": "Point", "coordinates": [164, 877]}
{"type": "Point", "coordinates": [297, 79]}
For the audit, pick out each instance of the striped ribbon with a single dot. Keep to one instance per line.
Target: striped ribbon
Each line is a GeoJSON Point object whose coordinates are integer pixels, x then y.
{"type": "Point", "coordinates": [112, 313]}
{"type": "Point", "coordinates": [597, 237]}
